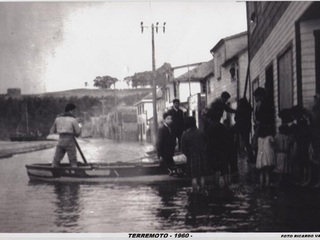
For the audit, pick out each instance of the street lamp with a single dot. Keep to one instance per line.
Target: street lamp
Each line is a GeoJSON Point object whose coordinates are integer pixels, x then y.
{"type": "Point", "coordinates": [154, 85]}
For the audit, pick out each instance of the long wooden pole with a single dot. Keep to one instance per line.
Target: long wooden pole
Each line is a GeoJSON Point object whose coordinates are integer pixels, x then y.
{"type": "Point", "coordinates": [80, 151]}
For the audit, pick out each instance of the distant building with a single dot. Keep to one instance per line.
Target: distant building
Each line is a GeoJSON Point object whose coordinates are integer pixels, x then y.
{"type": "Point", "coordinates": [181, 87]}
{"type": "Point", "coordinates": [230, 58]}
{"type": "Point", "coordinates": [144, 114]}
{"type": "Point", "coordinates": [196, 104]}
{"type": "Point", "coordinates": [196, 98]}
{"type": "Point", "coordinates": [14, 93]}
{"type": "Point", "coordinates": [122, 123]}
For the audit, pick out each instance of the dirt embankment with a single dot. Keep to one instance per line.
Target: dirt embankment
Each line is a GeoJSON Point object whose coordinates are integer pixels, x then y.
{"type": "Point", "coordinates": [8, 149]}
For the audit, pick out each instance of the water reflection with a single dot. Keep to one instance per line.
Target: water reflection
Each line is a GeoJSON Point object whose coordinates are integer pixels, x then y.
{"type": "Point", "coordinates": [67, 205]}
{"type": "Point", "coordinates": [167, 195]}
{"type": "Point", "coordinates": [211, 210]}
{"type": "Point", "coordinates": [217, 210]}
{"type": "Point", "coordinates": [172, 207]}
{"type": "Point", "coordinates": [182, 209]}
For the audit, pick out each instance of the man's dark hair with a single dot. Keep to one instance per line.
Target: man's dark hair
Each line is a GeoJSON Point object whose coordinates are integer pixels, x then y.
{"type": "Point", "coordinates": [265, 131]}
{"type": "Point", "coordinates": [225, 95]}
{"type": "Point", "coordinates": [176, 100]}
{"type": "Point", "coordinates": [284, 129]}
{"type": "Point", "coordinates": [189, 122]}
{"type": "Point", "coordinates": [69, 107]}
{"type": "Point", "coordinates": [296, 111]}
{"type": "Point", "coordinates": [285, 115]}
{"type": "Point", "coordinates": [259, 92]}
{"type": "Point", "coordinates": [166, 114]}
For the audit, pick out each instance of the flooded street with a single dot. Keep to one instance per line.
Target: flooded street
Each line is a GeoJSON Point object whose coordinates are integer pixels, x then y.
{"type": "Point", "coordinates": [27, 207]}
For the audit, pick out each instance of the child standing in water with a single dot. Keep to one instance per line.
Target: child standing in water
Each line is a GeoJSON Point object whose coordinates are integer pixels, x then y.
{"type": "Point", "coordinates": [282, 152]}
{"type": "Point", "coordinates": [193, 146]}
{"type": "Point", "coordinates": [265, 156]}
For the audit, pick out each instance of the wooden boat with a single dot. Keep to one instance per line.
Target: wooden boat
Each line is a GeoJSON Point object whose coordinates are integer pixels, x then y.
{"type": "Point", "coordinates": [148, 169]}
{"type": "Point", "coordinates": [104, 172]}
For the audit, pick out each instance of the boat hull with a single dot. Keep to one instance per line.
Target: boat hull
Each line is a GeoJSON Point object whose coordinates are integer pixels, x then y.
{"type": "Point", "coordinates": [98, 173]}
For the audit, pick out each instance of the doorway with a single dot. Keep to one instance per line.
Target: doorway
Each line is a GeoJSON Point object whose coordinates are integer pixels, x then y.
{"type": "Point", "coordinates": [269, 90]}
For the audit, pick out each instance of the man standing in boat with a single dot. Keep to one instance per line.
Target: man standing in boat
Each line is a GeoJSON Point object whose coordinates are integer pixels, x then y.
{"type": "Point", "coordinates": [166, 142]}
{"type": "Point", "coordinates": [67, 126]}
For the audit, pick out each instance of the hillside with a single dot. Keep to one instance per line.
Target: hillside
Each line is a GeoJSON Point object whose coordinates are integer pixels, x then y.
{"type": "Point", "coordinates": [98, 93]}
{"type": "Point", "coordinates": [41, 109]}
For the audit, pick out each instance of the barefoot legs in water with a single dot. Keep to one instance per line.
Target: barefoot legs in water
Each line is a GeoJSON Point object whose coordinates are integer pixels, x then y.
{"type": "Point", "coordinates": [196, 186]}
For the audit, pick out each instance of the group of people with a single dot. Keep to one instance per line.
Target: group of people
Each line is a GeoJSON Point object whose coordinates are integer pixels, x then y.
{"type": "Point", "coordinates": [291, 153]}
{"type": "Point", "coordinates": [210, 151]}
{"type": "Point", "coordinates": [274, 157]}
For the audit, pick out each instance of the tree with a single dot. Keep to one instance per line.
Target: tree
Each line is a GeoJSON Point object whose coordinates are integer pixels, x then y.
{"type": "Point", "coordinates": [142, 79]}
{"type": "Point", "coordinates": [163, 74]}
{"type": "Point", "coordinates": [104, 81]}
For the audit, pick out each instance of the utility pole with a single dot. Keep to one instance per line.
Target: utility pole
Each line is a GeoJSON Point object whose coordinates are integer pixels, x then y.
{"type": "Point", "coordinates": [154, 84]}
{"type": "Point", "coordinates": [117, 138]}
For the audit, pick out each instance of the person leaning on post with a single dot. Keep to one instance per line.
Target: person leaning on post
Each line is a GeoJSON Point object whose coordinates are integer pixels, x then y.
{"type": "Point", "coordinates": [193, 146]}
{"type": "Point", "coordinates": [219, 105]}
{"type": "Point", "coordinates": [67, 126]}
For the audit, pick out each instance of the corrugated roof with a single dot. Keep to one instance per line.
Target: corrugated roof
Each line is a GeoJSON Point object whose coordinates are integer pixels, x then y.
{"type": "Point", "coordinates": [197, 73]}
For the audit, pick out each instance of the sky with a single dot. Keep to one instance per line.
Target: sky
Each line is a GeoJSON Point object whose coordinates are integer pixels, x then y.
{"type": "Point", "coordinates": [56, 46]}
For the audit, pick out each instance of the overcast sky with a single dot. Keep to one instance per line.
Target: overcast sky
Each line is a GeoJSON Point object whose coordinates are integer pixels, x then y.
{"type": "Point", "coordinates": [54, 46]}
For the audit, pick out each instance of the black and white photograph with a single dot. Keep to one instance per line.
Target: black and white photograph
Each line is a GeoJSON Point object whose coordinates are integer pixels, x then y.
{"type": "Point", "coordinates": [159, 119]}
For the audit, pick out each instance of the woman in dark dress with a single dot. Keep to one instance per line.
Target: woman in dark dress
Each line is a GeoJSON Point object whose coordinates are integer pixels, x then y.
{"type": "Point", "coordinates": [193, 146]}
{"type": "Point", "coordinates": [217, 151]}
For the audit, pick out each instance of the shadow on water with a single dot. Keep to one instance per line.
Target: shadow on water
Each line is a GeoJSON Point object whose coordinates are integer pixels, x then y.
{"type": "Point", "coordinates": [241, 207]}
{"type": "Point", "coordinates": [137, 207]}
{"type": "Point", "coordinates": [181, 209]}
{"type": "Point", "coordinates": [205, 211]}
{"type": "Point", "coordinates": [67, 205]}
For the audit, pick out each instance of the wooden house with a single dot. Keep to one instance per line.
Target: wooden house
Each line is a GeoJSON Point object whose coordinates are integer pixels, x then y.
{"type": "Point", "coordinates": [284, 51]}
{"type": "Point", "coordinates": [230, 60]}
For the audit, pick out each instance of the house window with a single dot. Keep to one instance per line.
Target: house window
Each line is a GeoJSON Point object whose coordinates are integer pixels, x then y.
{"type": "Point", "coordinates": [233, 72]}
{"type": "Point", "coordinates": [175, 89]}
{"type": "Point", "coordinates": [285, 84]}
{"type": "Point", "coordinates": [209, 86]}
{"type": "Point", "coordinates": [203, 87]}
{"type": "Point", "coordinates": [167, 95]}
{"type": "Point", "coordinates": [252, 10]}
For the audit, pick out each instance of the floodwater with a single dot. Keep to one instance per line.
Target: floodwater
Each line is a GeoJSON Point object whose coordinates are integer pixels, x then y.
{"type": "Point", "coordinates": [27, 207]}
